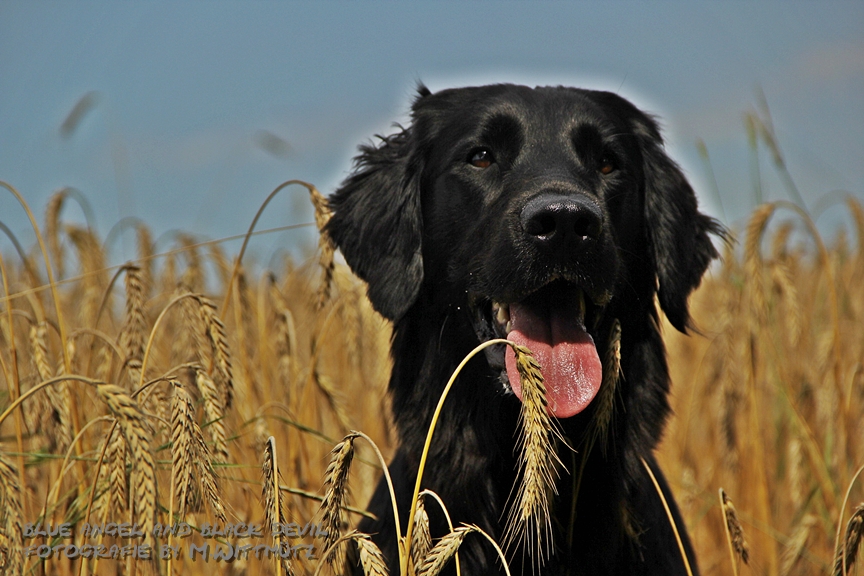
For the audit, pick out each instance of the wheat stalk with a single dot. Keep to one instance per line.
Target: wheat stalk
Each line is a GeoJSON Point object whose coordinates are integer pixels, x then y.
{"type": "Point", "coordinates": [753, 258]}
{"type": "Point", "coordinates": [325, 244]}
{"type": "Point", "coordinates": [144, 242]}
{"type": "Point", "coordinates": [191, 457]}
{"type": "Point", "coordinates": [529, 519]}
{"type": "Point", "coordinates": [443, 551]}
{"type": "Point", "coordinates": [183, 448]}
{"type": "Point", "coordinates": [335, 488]}
{"type": "Point", "coordinates": [371, 558]}
{"type": "Point", "coordinates": [92, 259]}
{"type": "Point", "coordinates": [215, 331]}
{"type": "Point", "coordinates": [58, 419]}
{"type": "Point", "coordinates": [847, 552]}
{"type": "Point", "coordinates": [52, 230]}
{"type": "Point", "coordinates": [734, 532]}
{"type": "Point", "coordinates": [115, 463]}
{"type": "Point", "coordinates": [142, 494]}
{"type": "Point", "coordinates": [214, 413]}
{"type": "Point", "coordinates": [12, 555]}
{"type": "Point", "coordinates": [421, 539]}
{"type": "Point", "coordinates": [272, 497]}
{"type": "Point", "coordinates": [134, 331]}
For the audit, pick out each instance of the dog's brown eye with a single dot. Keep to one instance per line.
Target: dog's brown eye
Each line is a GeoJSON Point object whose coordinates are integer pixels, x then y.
{"type": "Point", "coordinates": [607, 165]}
{"type": "Point", "coordinates": [481, 158]}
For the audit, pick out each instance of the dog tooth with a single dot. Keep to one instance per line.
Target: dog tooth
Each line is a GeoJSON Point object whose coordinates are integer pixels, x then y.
{"type": "Point", "coordinates": [509, 327]}
{"type": "Point", "coordinates": [502, 314]}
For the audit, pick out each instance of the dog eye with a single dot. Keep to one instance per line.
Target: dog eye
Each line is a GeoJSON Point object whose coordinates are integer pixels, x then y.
{"type": "Point", "coordinates": [607, 165]}
{"type": "Point", "coordinates": [481, 158]}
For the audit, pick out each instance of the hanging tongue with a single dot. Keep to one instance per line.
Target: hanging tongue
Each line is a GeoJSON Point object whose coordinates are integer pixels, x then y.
{"type": "Point", "coordinates": [566, 353]}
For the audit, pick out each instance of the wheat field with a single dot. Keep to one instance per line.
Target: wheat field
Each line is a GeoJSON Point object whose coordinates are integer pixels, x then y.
{"type": "Point", "coordinates": [180, 405]}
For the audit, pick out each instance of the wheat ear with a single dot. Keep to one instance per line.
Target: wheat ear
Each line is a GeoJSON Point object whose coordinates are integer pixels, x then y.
{"type": "Point", "coordinates": [371, 558]}
{"type": "Point", "coordinates": [138, 437]}
{"type": "Point", "coordinates": [443, 551]}
{"type": "Point", "coordinates": [335, 487]}
{"type": "Point", "coordinates": [529, 519]}
{"type": "Point", "coordinates": [325, 244]}
{"type": "Point", "coordinates": [215, 331]}
{"type": "Point", "coordinates": [734, 532]}
{"type": "Point", "coordinates": [213, 412]}
{"type": "Point", "coordinates": [272, 497]}
{"type": "Point", "coordinates": [12, 555]}
{"type": "Point", "coordinates": [847, 552]}
{"type": "Point", "coordinates": [421, 539]}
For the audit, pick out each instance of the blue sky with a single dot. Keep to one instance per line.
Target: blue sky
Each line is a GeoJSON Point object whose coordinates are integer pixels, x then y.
{"type": "Point", "coordinates": [184, 92]}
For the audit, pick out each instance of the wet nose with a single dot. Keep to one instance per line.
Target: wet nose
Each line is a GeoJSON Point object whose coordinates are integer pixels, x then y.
{"type": "Point", "coordinates": [556, 221]}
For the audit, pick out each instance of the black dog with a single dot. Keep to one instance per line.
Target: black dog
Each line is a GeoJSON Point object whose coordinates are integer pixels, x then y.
{"type": "Point", "coordinates": [552, 216]}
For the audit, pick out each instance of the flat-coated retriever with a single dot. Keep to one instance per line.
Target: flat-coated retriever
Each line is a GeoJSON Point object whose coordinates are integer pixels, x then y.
{"type": "Point", "coordinates": [551, 216]}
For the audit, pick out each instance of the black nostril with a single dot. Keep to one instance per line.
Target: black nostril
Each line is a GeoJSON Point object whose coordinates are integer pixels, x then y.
{"type": "Point", "coordinates": [556, 220]}
{"type": "Point", "coordinates": [542, 224]}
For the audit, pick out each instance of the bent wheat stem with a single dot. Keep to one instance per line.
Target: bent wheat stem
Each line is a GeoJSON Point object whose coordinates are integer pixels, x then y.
{"type": "Point", "coordinates": [403, 557]}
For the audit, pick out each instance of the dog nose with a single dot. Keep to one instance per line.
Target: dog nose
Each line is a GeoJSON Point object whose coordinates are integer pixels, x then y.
{"type": "Point", "coordinates": [557, 221]}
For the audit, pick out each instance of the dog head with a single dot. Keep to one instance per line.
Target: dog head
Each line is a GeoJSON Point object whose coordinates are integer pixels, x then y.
{"type": "Point", "coordinates": [534, 210]}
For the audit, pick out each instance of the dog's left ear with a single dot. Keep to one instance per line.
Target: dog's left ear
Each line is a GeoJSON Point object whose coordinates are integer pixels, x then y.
{"type": "Point", "coordinates": [678, 234]}
{"type": "Point", "coordinates": [377, 224]}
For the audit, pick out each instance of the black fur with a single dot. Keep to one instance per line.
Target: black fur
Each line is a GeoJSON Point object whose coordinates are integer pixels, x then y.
{"type": "Point", "coordinates": [437, 239]}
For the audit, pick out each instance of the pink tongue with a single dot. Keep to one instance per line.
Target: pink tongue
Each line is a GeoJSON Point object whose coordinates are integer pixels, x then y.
{"type": "Point", "coordinates": [566, 353]}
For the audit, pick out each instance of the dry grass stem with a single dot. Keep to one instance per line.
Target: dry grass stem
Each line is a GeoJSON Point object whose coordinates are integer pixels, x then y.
{"type": "Point", "coordinates": [529, 520]}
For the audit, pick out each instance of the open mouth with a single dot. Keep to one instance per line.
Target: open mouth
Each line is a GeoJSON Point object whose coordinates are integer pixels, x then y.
{"type": "Point", "coordinates": [551, 322]}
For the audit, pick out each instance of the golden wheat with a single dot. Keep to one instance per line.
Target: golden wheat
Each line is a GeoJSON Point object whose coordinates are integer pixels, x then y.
{"type": "Point", "coordinates": [136, 432]}
{"type": "Point", "coordinates": [421, 539]}
{"type": "Point", "coordinates": [12, 542]}
{"type": "Point", "coordinates": [847, 552]}
{"type": "Point", "coordinates": [529, 519]}
{"type": "Point", "coordinates": [335, 485]}
{"type": "Point", "coordinates": [734, 531]}
{"type": "Point", "coordinates": [371, 558]}
{"type": "Point", "coordinates": [443, 551]}
{"type": "Point", "coordinates": [766, 403]}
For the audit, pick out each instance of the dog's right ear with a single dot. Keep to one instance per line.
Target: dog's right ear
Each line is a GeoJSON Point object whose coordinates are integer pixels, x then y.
{"type": "Point", "coordinates": [377, 222]}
